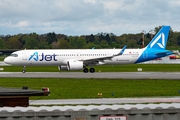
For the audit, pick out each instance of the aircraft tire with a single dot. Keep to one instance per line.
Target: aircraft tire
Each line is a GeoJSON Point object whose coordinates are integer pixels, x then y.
{"type": "Point", "coordinates": [92, 70]}
{"type": "Point", "coordinates": [23, 71]}
{"type": "Point", "coordinates": [85, 70]}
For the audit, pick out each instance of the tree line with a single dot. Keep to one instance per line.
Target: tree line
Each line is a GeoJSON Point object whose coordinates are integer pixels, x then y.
{"type": "Point", "coordinates": [101, 40]}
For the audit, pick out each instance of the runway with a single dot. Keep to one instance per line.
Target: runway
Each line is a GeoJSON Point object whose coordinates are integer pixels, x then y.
{"type": "Point", "coordinates": [103, 101]}
{"type": "Point", "coordinates": [102, 75]}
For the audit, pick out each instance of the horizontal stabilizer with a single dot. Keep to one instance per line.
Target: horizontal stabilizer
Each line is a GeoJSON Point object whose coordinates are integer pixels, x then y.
{"type": "Point", "coordinates": [163, 53]}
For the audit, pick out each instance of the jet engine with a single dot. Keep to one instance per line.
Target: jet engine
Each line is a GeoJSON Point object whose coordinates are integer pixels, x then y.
{"type": "Point", "coordinates": [72, 65]}
{"type": "Point", "coordinates": [75, 65]}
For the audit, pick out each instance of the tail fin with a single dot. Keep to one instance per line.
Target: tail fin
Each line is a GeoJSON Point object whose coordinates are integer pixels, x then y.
{"type": "Point", "coordinates": [160, 39]}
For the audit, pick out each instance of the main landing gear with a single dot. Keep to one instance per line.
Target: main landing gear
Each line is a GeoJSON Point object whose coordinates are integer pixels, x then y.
{"type": "Point", "coordinates": [91, 70]}
{"type": "Point", "coordinates": [24, 69]}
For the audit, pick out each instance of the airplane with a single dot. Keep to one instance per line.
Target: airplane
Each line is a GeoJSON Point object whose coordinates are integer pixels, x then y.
{"type": "Point", "coordinates": [80, 59]}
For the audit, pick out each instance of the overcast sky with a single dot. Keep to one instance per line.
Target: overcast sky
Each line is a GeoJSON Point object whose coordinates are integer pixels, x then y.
{"type": "Point", "coordinates": [85, 17]}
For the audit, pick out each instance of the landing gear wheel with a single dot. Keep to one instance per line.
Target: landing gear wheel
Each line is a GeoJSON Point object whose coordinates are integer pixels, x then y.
{"type": "Point", "coordinates": [24, 69]}
{"type": "Point", "coordinates": [85, 70]}
{"type": "Point", "coordinates": [92, 70]}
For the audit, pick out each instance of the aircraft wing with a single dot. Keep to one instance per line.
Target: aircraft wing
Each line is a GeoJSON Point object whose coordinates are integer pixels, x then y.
{"type": "Point", "coordinates": [101, 59]}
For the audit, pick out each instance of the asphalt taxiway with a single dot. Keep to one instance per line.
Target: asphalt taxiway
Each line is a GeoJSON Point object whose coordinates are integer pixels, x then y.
{"type": "Point", "coordinates": [110, 75]}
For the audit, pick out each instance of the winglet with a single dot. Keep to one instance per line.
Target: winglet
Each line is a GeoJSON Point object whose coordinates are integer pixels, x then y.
{"type": "Point", "coordinates": [122, 51]}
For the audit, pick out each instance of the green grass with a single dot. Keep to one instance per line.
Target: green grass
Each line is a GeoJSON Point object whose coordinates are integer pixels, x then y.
{"type": "Point", "coordinates": [89, 88]}
{"type": "Point", "coordinates": [2, 58]}
{"type": "Point", "coordinates": [103, 68]}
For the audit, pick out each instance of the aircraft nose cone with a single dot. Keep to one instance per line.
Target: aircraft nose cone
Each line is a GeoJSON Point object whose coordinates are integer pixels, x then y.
{"type": "Point", "coordinates": [7, 60]}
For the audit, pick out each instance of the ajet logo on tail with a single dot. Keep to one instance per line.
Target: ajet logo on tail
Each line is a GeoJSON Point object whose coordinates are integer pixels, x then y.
{"type": "Point", "coordinates": [43, 57]}
{"type": "Point", "coordinates": [160, 40]}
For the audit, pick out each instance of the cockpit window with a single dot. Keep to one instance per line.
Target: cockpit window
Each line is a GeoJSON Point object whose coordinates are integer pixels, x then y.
{"type": "Point", "coordinates": [14, 55]}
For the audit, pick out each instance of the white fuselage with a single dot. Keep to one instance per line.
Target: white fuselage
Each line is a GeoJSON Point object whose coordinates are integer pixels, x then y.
{"type": "Point", "coordinates": [61, 57]}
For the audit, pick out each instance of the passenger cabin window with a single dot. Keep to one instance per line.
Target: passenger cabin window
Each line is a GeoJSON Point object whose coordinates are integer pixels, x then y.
{"type": "Point", "coordinates": [14, 55]}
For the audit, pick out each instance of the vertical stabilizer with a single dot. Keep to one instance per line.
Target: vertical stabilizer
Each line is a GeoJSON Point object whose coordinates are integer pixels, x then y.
{"type": "Point", "coordinates": [157, 47]}
{"type": "Point", "coordinates": [160, 39]}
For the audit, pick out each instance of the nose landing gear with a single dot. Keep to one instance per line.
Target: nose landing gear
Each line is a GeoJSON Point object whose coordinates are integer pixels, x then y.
{"type": "Point", "coordinates": [24, 69]}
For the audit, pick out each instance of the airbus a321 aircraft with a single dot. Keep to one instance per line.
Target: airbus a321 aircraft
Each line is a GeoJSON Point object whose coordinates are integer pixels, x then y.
{"type": "Point", "coordinates": [74, 59]}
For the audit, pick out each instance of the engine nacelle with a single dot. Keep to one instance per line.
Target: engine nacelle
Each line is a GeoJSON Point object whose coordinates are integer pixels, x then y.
{"type": "Point", "coordinates": [63, 67]}
{"type": "Point", "coordinates": [75, 65]}
{"type": "Point", "coordinates": [72, 65]}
